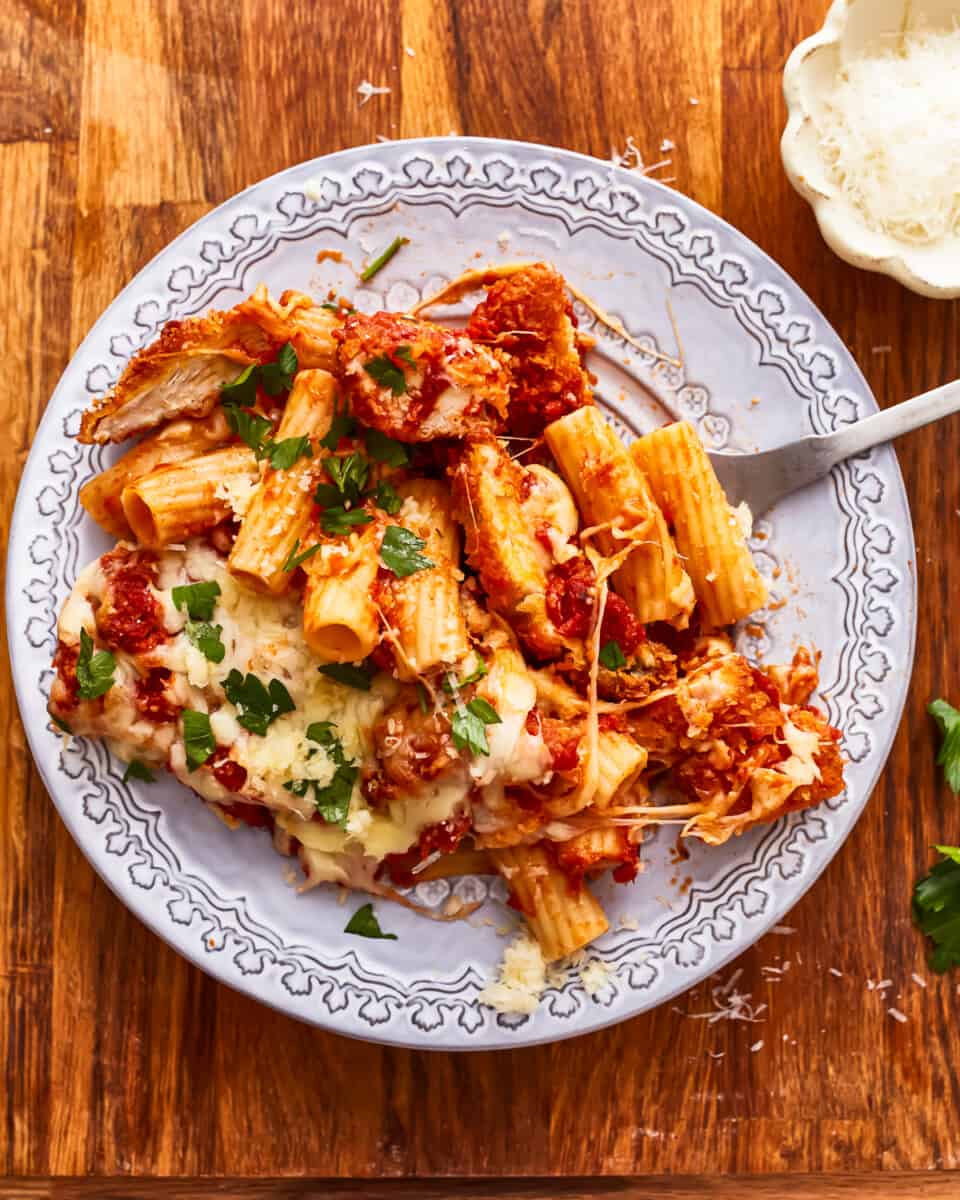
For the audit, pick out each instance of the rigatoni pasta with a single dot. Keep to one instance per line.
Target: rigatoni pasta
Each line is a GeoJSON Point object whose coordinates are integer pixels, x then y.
{"type": "Point", "coordinates": [708, 533]}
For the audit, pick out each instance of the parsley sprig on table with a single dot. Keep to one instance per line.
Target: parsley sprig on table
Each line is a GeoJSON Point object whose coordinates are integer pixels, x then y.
{"type": "Point", "coordinates": [936, 908]}
{"type": "Point", "coordinates": [948, 719]}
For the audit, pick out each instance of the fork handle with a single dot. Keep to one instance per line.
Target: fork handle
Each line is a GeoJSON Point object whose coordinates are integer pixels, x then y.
{"type": "Point", "coordinates": [891, 423]}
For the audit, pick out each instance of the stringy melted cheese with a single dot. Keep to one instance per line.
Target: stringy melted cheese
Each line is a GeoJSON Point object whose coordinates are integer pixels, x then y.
{"type": "Point", "coordinates": [890, 131]}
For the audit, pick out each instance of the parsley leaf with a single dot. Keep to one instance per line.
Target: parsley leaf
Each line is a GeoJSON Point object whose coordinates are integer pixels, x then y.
{"type": "Point", "coordinates": [199, 599]}
{"type": "Point", "coordinates": [94, 671]}
{"type": "Point", "coordinates": [468, 726]}
{"type": "Point", "coordinates": [287, 451]}
{"type": "Point", "coordinates": [355, 675]}
{"type": "Point", "coordinates": [611, 656]}
{"type": "Point", "coordinates": [400, 552]}
{"type": "Point", "coordinates": [138, 770]}
{"type": "Point", "coordinates": [341, 426]}
{"type": "Point", "coordinates": [936, 908]}
{"type": "Point", "coordinates": [387, 374]}
{"type": "Point", "coordinates": [198, 739]}
{"type": "Point", "coordinates": [249, 427]}
{"type": "Point", "coordinates": [322, 732]}
{"type": "Point", "coordinates": [383, 258]}
{"type": "Point", "coordinates": [348, 474]}
{"type": "Point", "coordinates": [450, 684]}
{"type": "Point", "coordinates": [364, 923]}
{"type": "Point", "coordinates": [338, 521]}
{"type": "Point", "coordinates": [61, 724]}
{"type": "Point", "coordinates": [206, 638]}
{"type": "Point", "coordinates": [385, 449]}
{"type": "Point", "coordinates": [385, 497]}
{"type": "Point", "coordinates": [333, 800]}
{"type": "Point", "coordinates": [277, 376]}
{"type": "Point", "coordinates": [258, 706]}
{"type": "Point", "coordinates": [243, 390]}
{"type": "Point", "coordinates": [294, 559]}
{"type": "Point", "coordinates": [948, 719]}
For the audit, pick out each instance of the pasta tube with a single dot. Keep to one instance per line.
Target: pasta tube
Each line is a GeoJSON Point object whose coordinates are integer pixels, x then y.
{"type": "Point", "coordinates": [340, 620]}
{"type": "Point", "coordinates": [707, 530]}
{"type": "Point", "coordinates": [612, 493]}
{"type": "Point", "coordinates": [563, 915]}
{"type": "Point", "coordinates": [280, 510]}
{"type": "Point", "coordinates": [174, 503]}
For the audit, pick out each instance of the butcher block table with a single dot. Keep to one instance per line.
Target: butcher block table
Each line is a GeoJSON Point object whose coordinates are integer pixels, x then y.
{"type": "Point", "coordinates": [128, 1072]}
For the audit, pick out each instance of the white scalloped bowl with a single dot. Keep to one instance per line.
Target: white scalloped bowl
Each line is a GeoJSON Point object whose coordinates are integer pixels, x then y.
{"type": "Point", "coordinates": [932, 269]}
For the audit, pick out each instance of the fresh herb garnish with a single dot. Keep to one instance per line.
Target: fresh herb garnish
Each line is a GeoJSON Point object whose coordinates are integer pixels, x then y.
{"type": "Point", "coordinates": [385, 449]}
{"type": "Point", "coordinates": [468, 726]}
{"type": "Point", "coordinates": [285, 453]}
{"type": "Point", "coordinates": [199, 599]}
{"type": "Point", "coordinates": [277, 376]}
{"type": "Point", "coordinates": [400, 552]}
{"type": "Point", "coordinates": [348, 474]}
{"type": "Point", "coordinates": [364, 923]}
{"type": "Point", "coordinates": [138, 770]}
{"type": "Point", "coordinates": [243, 390]}
{"type": "Point", "coordinates": [423, 699]}
{"type": "Point", "coordinates": [295, 560]}
{"type": "Point", "coordinates": [936, 908]}
{"type": "Point", "coordinates": [94, 671]}
{"type": "Point", "coordinates": [387, 374]}
{"type": "Point", "coordinates": [322, 732]}
{"type": "Point", "coordinates": [61, 724]}
{"type": "Point", "coordinates": [355, 675]}
{"type": "Point", "coordinates": [332, 800]}
{"type": "Point", "coordinates": [341, 426]}
{"type": "Point", "coordinates": [198, 739]}
{"type": "Point", "coordinates": [383, 258]}
{"type": "Point", "coordinates": [611, 656]}
{"type": "Point", "coordinates": [385, 497]}
{"type": "Point", "coordinates": [258, 705]}
{"type": "Point", "coordinates": [249, 428]}
{"type": "Point", "coordinates": [206, 638]}
{"type": "Point", "coordinates": [948, 719]}
{"type": "Point", "coordinates": [450, 684]}
{"type": "Point", "coordinates": [339, 521]}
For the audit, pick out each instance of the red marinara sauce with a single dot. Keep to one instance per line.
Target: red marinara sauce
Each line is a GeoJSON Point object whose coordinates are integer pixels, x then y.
{"type": "Point", "coordinates": [152, 699]}
{"type": "Point", "coordinates": [570, 596]}
{"type": "Point", "coordinates": [232, 776]}
{"type": "Point", "coordinates": [445, 836]}
{"type": "Point", "coordinates": [130, 617]}
{"type": "Point", "coordinates": [65, 664]}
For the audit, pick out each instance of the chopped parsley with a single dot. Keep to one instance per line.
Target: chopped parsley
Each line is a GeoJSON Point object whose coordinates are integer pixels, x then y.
{"type": "Point", "coordinates": [450, 684]}
{"type": "Point", "coordinates": [468, 726]}
{"type": "Point", "coordinates": [94, 671]}
{"type": "Point", "coordinates": [243, 390]}
{"type": "Point", "coordinates": [355, 675]}
{"type": "Point", "coordinates": [333, 799]}
{"type": "Point", "coordinates": [348, 475]}
{"type": "Point", "coordinates": [258, 705]}
{"type": "Point", "coordinates": [341, 426]}
{"type": "Point", "coordinates": [611, 656]}
{"type": "Point", "coordinates": [198, 739]}
{"type": "Point", "coordinates": [138, 770]}
{"type": "Point", "coordinates": [385, 497]}
{"type": "Point", "coordinates": [277, 376]}
{"type": "Point", "coordinates": [386, 372]}
{"type": "Point", "coordinates": [206, 638]}
{"type": "Point", "coordinates": [285, 453]}
{"type": "Point", "coordinates": [948, 719]}
{"type": "Point", "coordinates": [198, 598]}
{"type": "Point", "coordinates": [295, 560]}
{"type": "Point", "coordinates": [339, 521]}
{"type": "Point", "coordinates": [322, 732]}
{"type": "Point", "coordinates": [364, 923]}
{"type": "Point", "coordinates": [385, 449]}
{"type": "Point", "coordinates": [400, 552]}
{"type": "Point", "coordinates": [383, 258]}
{"type": "Point", "coordinates": [250, 428]}
{"type": "Point", "coordinates": [936, 908]}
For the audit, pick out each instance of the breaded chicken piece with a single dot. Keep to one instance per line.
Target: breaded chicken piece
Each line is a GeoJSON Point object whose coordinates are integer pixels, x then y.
{"type": "Point", "coordinates": [416, 381]}
{"type": "Point", "coordinates": [181, 374]}
{"type": "Point", "coordinates": [529, 317]}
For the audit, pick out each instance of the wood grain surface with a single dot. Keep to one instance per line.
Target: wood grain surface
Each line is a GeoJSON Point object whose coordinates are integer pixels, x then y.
{"type": "Point", "coordinates": [121, 123]}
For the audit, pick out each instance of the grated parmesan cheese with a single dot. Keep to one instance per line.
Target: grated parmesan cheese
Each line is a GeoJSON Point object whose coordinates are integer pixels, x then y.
{"type": "Point", "coordinates": [890, 131]}
{"type": "Point", "coordinates": [595, 976]}
{"type": "Point", "coordinates": [521, 978]}
{"type": "Point", "coordinates": [365, 89]}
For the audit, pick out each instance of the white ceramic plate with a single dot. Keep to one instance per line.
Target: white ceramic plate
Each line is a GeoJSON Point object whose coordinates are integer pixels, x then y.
{"type": "Point", "coordinates": [761, 366]}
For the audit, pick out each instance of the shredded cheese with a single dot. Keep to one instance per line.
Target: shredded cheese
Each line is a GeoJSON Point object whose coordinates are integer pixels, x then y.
{"type": "Point", "coordinates": [890, 132]}
{"type": "Point", "coordinates": [522, 977]}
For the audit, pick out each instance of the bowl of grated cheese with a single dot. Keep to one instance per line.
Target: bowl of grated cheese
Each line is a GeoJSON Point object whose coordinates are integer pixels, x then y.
{"type": "Point", "coordinates": [873, 137]}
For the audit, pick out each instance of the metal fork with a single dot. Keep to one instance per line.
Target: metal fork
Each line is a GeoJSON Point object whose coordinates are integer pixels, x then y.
{"type": "Point", "coordinates": [763, 478]}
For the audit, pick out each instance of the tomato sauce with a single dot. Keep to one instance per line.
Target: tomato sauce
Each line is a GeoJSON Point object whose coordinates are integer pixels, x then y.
{"type": "Point", "coordinates": [65, 665]}
{"type": "Point", "coordinates": [130, 617]}
{"type": "Point", "coordinates": [570, 597]}
{"type": "Point", "coordinates": [152, 699]}
{"type": "Point", "coordinates": [232, 776]}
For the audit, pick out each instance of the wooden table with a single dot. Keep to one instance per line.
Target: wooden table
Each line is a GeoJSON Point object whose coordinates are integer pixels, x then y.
{"type": "Point", "coordinates": [120, 124]}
